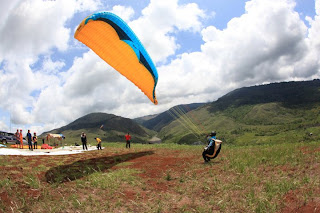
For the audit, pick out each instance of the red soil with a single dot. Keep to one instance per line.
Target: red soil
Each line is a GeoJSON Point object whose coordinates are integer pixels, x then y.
{"type": "Point", "coordinates": [160, 173]}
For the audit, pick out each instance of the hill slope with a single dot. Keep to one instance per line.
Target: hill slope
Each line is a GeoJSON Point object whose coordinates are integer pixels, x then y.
{"type": "Point", "coordinates": [273, 113]}
{"type": "Point", "coordinates": [300, 93]}
{"type": "Point", "coordinates": [158, 122]}
{"type": "Point", "coordinates": [113, 128]}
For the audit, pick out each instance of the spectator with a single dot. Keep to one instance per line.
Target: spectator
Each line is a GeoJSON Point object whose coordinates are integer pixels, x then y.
{"type": "Point", "coordinates": [128, 140]}
{"type": "Point", "coordinates": [29, 138]}
{"type": "Point", "coordinates": [35, 141]}
{"type": "Point", "coordinates": [84, 141]}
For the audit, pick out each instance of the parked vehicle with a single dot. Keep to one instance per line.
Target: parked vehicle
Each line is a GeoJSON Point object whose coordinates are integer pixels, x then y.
{"type": "Point", "coordinates": [6, 137]}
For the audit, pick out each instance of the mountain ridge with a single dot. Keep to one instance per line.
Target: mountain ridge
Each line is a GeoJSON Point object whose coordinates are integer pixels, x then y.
{"type": "Point", "coordinates": [157, 122]}
{"type": "Point", "coordinates": [253, 114]}
{"type": "Point", "coordinates": [270, 113]}
{"type": "Point", "coordinates": [288, 93]}
{"type": "Point", "coordinates": [109, 127]}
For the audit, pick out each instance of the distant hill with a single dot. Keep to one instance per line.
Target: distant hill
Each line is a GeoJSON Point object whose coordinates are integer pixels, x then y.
{"type": "Point", "coordinates": [272, 113]}
{"type": "Point", "coordinates": [113, 128]}
{"type": "Point", "coordinates": [143, 119]}
{"type": "Point", "coordinates": [159, 121]}
{"type": "Point", "coordinates": [109, 122]}
{"type": "Point", "coordinates": [288, 93]}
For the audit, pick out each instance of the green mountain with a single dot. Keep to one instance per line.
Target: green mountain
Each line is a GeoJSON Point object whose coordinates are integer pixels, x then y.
{"type": "Point", "coordinates": [143, 119]}
{"type": "Point", "coordinates": [273, 113]}
{"type": "Point", "coordinates": [159, 121]}
{"type": "Point", "coordinates": [290, 94]}
{"type": "Point", "coordinates": [265, 114]}
{"type": "Point", "coordinates": [108, 127]}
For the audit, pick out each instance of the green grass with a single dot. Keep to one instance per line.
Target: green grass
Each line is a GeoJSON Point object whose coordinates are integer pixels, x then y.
{"type": "Point", "coordinates": [6, 183]}
{"type": "Point", "coordinates": [32, 181]}
{"type": "Point", "coordinates": [163, 178]}
{"type": "Point", "coordinates": [113, 180]}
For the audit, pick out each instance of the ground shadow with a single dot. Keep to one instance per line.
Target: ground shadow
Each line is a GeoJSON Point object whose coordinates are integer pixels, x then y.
{"type": "Point", "coordinates": [81, 168]}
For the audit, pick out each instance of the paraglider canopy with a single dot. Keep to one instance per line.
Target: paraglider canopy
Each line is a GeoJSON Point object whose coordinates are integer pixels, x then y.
{"type": "Point", "coordinates": [113, 40]}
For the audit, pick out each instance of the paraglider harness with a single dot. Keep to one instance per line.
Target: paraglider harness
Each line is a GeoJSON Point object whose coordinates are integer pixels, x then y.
{"type": "Point", "coordinates": [211, 152]}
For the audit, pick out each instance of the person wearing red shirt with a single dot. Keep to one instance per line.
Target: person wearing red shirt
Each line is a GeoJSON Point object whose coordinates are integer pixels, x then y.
{"type": "Point", "coordinates": [128, 140]}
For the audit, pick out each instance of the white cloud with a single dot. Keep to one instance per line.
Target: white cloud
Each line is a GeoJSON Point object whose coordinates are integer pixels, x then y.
{"type": "Point", "coordinates": [27, 33]}
{"type": "Point", "coordinates": [51, 67]}
{"type": "Point", "coordinates": [317, 7]}
{"type": "Point", "coordinates": [5, 10]}
{"type": "Point", "coordinates": [258, 42]}
{"type": "Point", "coordinates": [3, 126]}
{"type": "Point", "coordinates": [159, 22]}
{"type": "Point", "coordinates": [29, 29]}
{"type": "Point", "coordinates": [34, 27]}
{"type": "Point", "coordinates": [19, 115]}
{"type": "Point", "coordinates": [266, 44]}
{"type": "Point", "coordinates": [126, 13]}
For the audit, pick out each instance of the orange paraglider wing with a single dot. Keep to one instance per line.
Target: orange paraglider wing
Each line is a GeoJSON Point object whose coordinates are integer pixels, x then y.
{"type": "Point", "coordinates": [113, 40]}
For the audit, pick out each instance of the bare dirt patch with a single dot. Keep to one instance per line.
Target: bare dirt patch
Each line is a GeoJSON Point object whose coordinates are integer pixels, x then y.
{"type": "Point", "coordinates": [294, 202]}
{"type": "Point", "coordinates": [159, 170]}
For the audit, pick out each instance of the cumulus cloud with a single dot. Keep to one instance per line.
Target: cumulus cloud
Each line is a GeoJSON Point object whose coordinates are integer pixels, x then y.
{"type": "Point", "coordinates": [3, 126]}
{"type": "Point", "coordinates": [254, 46]}
{"type": "Point", "coordinates": [266, 44]}
{"type": "Point", "coordinates": [126, 13]}
{"type": "Point", "coordinates": [156, 30]}
{"type": "Point", "coordinates": [33, 27]}
{"type": "Point", "coordinates": [29, 29]}
{"type": "Point", "coordinates": [317, 7]}
{"type": "Point", "coordinates": [51, 67]}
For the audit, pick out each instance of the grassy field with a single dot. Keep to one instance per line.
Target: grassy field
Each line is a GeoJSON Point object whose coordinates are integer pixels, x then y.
{"type": "Point", "coordinates": [165, 178]}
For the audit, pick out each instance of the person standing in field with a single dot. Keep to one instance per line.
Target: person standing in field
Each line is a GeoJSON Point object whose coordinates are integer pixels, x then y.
{"type": "Point", "coordinates": [35, 141]}
{"type": "Point", "coordinates": [84, 141]}
{"type": "Point", "coordinates": [29, 138]}
{"type": "Point", "coordinates": [21, 139]}
{"type": "Point", "coordinates": [98, 143]}
{"type": "Point", "coordinates": [128, 140]}
{"type": "Point", "coordinates": [17, 134]}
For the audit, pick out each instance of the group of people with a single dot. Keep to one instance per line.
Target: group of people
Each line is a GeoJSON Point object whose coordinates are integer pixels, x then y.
{"type": "Point", "coordinates": [211, 150]}
{"type": "Point", "coordinates": [83, 137]}
{"type": "Point", "coordinates": [32, 140]}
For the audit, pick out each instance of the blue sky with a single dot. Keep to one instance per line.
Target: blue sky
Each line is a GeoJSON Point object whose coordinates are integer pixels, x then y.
{"type": "Point", "coordinates": [202, 49]}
